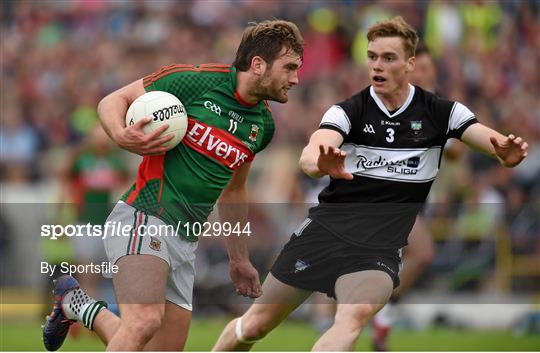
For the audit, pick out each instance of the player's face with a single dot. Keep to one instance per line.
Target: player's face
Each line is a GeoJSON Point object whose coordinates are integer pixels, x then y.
{"type": "Point", "coordinates": [424, 74]}
{"type": "Point", "coordinates": [280, 77]}
{"type": "Point", "coordinates": [388, 65]}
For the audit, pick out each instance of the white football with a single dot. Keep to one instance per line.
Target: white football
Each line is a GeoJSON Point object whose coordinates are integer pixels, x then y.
{"type": "Point", "coordinates": [163, 108]}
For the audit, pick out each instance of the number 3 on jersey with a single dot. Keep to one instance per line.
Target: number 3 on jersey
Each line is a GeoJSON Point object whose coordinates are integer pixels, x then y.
{"type": "Point", "coordinates": [390, 137]}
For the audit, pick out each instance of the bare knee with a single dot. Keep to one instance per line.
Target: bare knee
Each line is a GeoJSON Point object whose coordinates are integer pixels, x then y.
{"type": "Point", "coordinates": [426, 256]}
{"type": "Point", "coordinates": [421, 247]}
{"type": "Point", "coordinates": [142, 323]}
{"type": "Point", "coordinates": [354, 317]}
{"type": "Point", "coordinates": [256, 326]}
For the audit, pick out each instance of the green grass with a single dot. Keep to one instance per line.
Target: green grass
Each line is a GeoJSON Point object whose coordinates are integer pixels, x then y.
{"type": "Point", "coordinates": [291, 336]}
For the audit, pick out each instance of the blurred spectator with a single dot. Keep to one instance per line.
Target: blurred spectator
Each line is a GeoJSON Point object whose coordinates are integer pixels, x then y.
{"type": "Point", "coordinates": [19, 146]}
{"type": "Point", "coordinates": [60, 57]}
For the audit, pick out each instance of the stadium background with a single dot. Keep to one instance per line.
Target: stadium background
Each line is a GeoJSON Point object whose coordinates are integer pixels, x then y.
{"type": "Point", "coordinates": [59, 58]}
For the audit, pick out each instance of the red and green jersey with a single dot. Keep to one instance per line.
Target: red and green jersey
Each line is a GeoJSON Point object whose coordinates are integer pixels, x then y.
{"type": "Point", "coordinates": [223, 133]}
{"type": "Point", "coordinates": [95, 176]}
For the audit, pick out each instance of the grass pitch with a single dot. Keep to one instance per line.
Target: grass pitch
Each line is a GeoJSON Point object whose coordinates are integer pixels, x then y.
{"type": "Point", "coordinates": [291, 336]}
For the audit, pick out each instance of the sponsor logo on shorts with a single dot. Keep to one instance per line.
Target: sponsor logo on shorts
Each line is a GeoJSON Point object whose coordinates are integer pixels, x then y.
{"type": "Point", "coordinates": [382, 264]}
{"type": "Point", "coordinates": [155, 244]}
{"type": "Point", "coordinates": [300, 266]}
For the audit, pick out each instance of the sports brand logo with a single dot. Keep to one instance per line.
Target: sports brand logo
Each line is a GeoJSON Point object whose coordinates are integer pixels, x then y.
{"type": "Point", "coordinates": [235, 116]}
{"type": "Point", "coordinates": [368, 129]}
{"type": "Point", "coordinates": [168, 112]}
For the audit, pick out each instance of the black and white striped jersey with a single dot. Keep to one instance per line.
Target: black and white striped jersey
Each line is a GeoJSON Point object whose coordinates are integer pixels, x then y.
{"type": "Point", "coordinates": [394, 157]}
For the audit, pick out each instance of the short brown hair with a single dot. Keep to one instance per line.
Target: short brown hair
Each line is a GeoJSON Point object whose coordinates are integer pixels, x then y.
{"type": "Point", "coordinates": [395, 27]}
{"type": "Point", "coordinates": [266, 39]}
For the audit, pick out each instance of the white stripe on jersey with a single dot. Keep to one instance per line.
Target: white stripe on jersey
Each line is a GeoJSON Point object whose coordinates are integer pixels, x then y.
{"type": "Point", "coordinates": [336, 116]}
{"type": "Point", "coordinates": [411, 165]}
{"type": "Point", "coordinates": [459, 115]}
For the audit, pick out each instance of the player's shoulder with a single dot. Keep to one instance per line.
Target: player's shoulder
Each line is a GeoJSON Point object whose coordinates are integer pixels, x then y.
{"type": "Point", "coordinates": [209, 67]}
{"type": "Point", "coordinates": [353, 104]}
{"type": "Point", "coordinates": [360, 97]}
{"type": "Point", "coordinates": [432, 101]}
{"type": "Point", "coordinates": [432, 97]}
{"type": "Point", "coordinates": [175, 71]}
{"type": "Point", "coordinates": [213, 68]}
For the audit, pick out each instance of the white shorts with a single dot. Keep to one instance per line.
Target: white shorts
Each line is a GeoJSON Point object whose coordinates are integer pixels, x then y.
{"type": "Point", "coordinates": [175, 250]}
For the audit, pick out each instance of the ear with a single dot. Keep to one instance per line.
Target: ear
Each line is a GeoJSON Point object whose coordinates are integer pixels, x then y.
{"type": "Point", "coordinates": [258, 65]}
{"type": "Point", "coordinates": [410, 64]}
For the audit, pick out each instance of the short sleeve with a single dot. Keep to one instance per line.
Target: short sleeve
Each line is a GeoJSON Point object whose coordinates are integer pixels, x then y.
{"type": "Point", "coordinates": [336, 119]}
{"type": "Point", "coordinates": [186, 82]}
{"type": "Point", "coordinates": [460, 119]}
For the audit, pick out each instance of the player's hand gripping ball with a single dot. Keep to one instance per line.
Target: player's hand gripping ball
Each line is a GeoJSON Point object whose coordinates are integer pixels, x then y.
{"type": "Point", "coordinates": [163, 108]}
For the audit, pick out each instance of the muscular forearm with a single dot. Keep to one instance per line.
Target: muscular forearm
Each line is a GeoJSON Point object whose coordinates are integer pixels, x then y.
{"type": "Point", "coordinates": [112, 111]}
{"type": "Point", "coordinates": [508, 150]}
{"type": "Point", "coordinates": [308, 162]}
{"type": "Point", "coordinates": [232, 206]}
{"type": "Point", "coordinates": [477, 136]}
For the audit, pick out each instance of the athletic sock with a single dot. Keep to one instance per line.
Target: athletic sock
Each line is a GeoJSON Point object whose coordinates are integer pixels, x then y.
{"type": "Point", "coordinates": [382, 325]}
{"type": "Point", "coordinates": [77, 305]}
{"type": "Point", "coordinates": [386, 316]}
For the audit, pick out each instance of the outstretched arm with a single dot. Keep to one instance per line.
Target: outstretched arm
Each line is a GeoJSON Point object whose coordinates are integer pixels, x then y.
{"type": "Point", "coordinates": [232, 206]}
{"type": "Point", "coordinates": [508, 150]}
{"type": "Point", "coordinates": [323, 157]}
{"type": "Point", "coordinates": [112, 112]}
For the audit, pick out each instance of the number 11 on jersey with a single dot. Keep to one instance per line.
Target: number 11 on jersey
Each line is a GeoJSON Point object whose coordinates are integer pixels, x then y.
{"type": "Point", "coordinates": [233, 125]}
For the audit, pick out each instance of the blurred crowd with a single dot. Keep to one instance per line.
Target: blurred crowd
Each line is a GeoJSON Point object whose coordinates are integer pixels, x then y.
{"type": "Point", "coordinates": [60, 57]}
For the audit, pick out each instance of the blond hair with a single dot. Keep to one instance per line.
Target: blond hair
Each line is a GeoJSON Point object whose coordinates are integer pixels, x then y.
{"type": "Point", "coordinates": [266, 39]}
{"type": "Point", "coordinates": [395, 27]}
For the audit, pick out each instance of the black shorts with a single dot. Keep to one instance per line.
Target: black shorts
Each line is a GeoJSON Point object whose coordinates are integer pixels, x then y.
{"type": "Point", "coordinates": [314, 259]}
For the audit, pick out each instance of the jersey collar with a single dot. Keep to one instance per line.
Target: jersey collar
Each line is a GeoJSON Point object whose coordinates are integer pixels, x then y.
{"type": "Point", "coordinates": [234, 81]}
{"type": "Point", "coordinates": [381, 106]}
